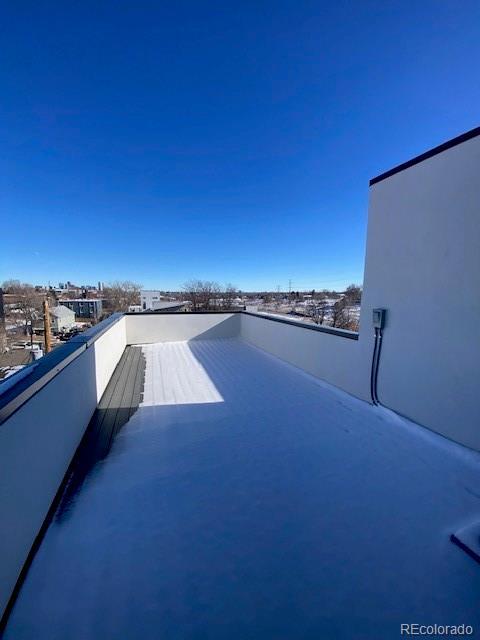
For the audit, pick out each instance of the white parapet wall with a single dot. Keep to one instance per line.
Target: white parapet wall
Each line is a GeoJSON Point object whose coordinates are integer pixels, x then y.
{"type": "Point", "coordinates": [423, 266]}
{"type": "Point", "coordinates": [326, 355]}
{"type": "Point", "coordinates": [39, 440]}
{"type": "Point", "coordinates": [143, 328]}
{"type": "Point", "coordinates": [331, 357]}
{"type": "Point", "coordinates": [108, 350]}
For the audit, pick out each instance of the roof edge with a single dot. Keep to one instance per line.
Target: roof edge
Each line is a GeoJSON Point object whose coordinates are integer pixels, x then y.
{"type": "Point", "coordinates": [473, 133]}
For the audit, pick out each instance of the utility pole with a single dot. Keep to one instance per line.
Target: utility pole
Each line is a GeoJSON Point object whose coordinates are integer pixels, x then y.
{"type": "Point", "coordinates": [3, 332]}
{"type": "Point", "coordinates": [46, 326]}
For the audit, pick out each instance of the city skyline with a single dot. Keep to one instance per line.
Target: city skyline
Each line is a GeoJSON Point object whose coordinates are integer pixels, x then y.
{"type": "Point", "coordinates": [69, 285]}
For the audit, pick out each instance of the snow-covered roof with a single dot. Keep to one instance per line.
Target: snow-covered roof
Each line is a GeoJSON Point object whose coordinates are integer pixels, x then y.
{"type": "Point", "coordinates": [160, 304]}
{"type": "Point", "coordinates": [84, 300]}
{"type": "Point", "coordinates": [61, 312]}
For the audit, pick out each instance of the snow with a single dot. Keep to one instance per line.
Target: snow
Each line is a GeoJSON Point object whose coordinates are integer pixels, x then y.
{"type": "Point", "coordinates": [174, 376]}
{"type": "Point", "coordinates": [247, 499]}
{"type": "Point", "coordinates": [8, 373]}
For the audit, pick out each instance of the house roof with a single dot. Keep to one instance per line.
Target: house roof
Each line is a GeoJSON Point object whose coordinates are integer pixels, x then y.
{"type": "Point", "coordinates": [167, 304]}
{"type": "Point", "coordinates": [83, 300]}
{"type": "Point", "coordinates": [61, 311]}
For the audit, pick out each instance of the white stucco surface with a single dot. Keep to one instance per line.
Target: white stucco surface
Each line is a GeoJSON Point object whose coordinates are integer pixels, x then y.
{"type": "Point", "coordinates": [37, 444]}
{"type": "Point", "coordinates": [156, 327]}
{"type": "Point", "coordinates": [423, 266]}
{"type": "Point", "coordinates": [248, 499]}
{"type": "Point", "coordinates": [108, 350]}
{"type": "Point", "coordinates": [332, 358]}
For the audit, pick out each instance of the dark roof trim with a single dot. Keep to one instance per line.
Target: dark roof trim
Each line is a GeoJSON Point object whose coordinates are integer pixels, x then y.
{"type": "Point", "coordinates": [35, 376]}
{"type": "Point", "coordinates": [473, 133]}
{"type": "Point", "coordinates": [183, 313]}
{"type": "Point", "coordinates": [342, 333]}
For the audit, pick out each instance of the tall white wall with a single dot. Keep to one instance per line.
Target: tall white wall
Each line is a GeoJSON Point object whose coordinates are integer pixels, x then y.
{"type": "Point", "coordinates": [145, 328]}
{"type": "Point", "coordinates": [423, 265]}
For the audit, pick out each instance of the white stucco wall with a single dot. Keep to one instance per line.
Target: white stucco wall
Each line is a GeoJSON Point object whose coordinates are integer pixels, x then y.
{"type": "Point", "coordinates": [332, 358]}
{"type": "Point", "coordinates": [108, 351]}
{"type": "Point", "coordinates": [37, 444]}
{"type": "Point", "coordinates": [147, 328]}
{"type": "Point", "coordinates": [423, 265]}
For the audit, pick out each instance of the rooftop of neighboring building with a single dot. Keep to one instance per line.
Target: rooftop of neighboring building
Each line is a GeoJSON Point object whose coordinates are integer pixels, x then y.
{"type": "Point", "coordinates": [61, 311]}
{"type": "Point", "coordinates": [80, 300]}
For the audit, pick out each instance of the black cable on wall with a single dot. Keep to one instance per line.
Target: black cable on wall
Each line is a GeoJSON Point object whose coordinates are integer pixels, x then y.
{"type": "Point", "coordinates": [375, 362]}
{"type": "Point", "coordinates": [379, 316]}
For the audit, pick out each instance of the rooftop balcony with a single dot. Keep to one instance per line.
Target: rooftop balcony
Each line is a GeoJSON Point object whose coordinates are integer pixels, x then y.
{"type": "Point", "coordinates": [222, 491]}
{"type": "Point", "coordinates": [226, 475]}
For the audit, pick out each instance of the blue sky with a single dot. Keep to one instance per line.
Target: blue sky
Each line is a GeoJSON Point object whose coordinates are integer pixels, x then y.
{"type": "Point", "coordinates": [232, 141]}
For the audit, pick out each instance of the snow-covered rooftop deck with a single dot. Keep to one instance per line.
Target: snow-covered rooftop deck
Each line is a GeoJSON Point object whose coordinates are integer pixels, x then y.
{"type": "Point", "coordinates": [245, 498]}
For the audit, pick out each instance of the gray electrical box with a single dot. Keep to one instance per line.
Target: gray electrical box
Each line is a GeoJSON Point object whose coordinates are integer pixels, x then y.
{"type": "Point", "coordinates": [379, 318]}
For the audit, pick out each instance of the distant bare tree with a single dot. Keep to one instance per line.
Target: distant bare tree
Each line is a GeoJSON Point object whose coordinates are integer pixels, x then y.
{"type": "Point", "coordinates": [120, 295]}
{"type": "Point", "coordinates": [203, 294]}
{"type": "Point", "coordinates": [192, 293]}
{"type": "Point", "coordinates": [26, 301]}
{"type": "Point", "coordinates": [11, 286]}
{"type": "Point", "coordinates": [210, 294]}
{"type": "Point", "coordinates": [343, 316]}
{"type": "Point", "coordinates": [320, 308]}
{"type": "Point", "coordinates": [353, 294]}
{"type": "Point", "coordinates": [228, 296]}
{"type": "Point", "coordinates": [340, 315]}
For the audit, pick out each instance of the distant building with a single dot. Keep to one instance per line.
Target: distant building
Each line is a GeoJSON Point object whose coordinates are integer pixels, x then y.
{"type": "Point", "coordinates": [135, 308]}
{"type": "Point", "coordinates": [166, 305]}
{"type": "Point", "coordinates": [62, 318]}
{"type": "Point", "coordinates": [151, 300]}
{"type": "Point", "coordinates": [85, 307]}
{"type": "Point", "coordinates": [148, 297]}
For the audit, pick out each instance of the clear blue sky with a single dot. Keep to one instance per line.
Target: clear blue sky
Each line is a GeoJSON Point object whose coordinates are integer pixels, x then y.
{"type": "Point", "coordinates": [233, 141]}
